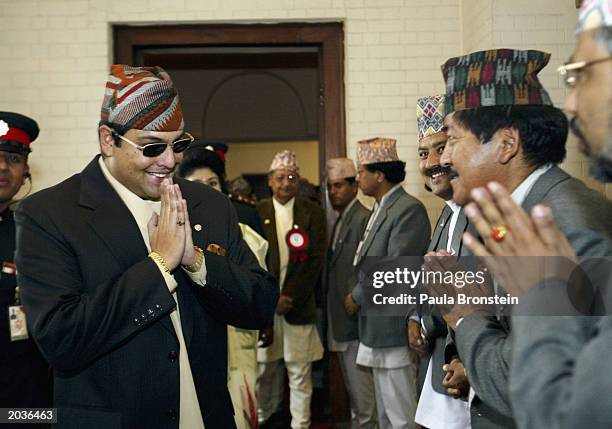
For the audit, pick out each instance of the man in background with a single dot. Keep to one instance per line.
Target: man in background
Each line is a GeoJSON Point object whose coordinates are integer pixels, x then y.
{"type": "Point", "coordinates": [399, 226]}
{"type": "Point", "coordinates": [295, 229]}
{"type": "Point", "coordinates": [342, 327]}
{"type": "Point", "coordinates": [25, 376]}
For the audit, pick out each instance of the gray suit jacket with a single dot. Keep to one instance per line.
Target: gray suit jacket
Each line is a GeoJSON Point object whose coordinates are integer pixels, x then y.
{"type": "Point", "coordinates": [484, 342]}
{"type": "Point", "coordinates": [557, 379]}
{"type": "Point", "coordinates": [401, 229]}
{"type": "Point", "coordinates": [341, 277]}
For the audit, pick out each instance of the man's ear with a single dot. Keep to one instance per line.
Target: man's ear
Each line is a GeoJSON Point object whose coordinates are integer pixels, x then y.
{"type": "Point", "coordinates": [26, 174]}
{"type": "Point", "coordinates": [509, 144]}
{"type": "Point", "coordinates": [107, 140]}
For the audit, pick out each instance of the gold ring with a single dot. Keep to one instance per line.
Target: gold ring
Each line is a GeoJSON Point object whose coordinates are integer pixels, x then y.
{"type": "Point", "coordinates": [498, 233]}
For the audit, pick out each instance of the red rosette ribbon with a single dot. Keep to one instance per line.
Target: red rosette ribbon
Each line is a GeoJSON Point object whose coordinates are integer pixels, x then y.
{"type": "Point", "coordinates": [298, 243]}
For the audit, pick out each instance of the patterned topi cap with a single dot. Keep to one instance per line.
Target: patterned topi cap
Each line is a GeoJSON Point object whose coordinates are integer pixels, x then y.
{"type": "Point", "coordinates": [141, 98]}
{"type": "Point", "coordinates": [340, 168]}
{"type": "Point", "coordinates": [285, 160]}
{"type": "Point", "coordinates": [378, 149]}
{"type": "Point", "coordinates": [498, 77]}
{"type": "Point", "coordinates": [430, 115]}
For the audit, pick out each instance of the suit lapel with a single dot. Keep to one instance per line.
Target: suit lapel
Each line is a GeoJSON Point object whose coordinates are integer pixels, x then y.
{"type": "Point", "coordinates": [301, 218]}
{"type": "Point", "coordinates": [380, 219]}
{"type": "Point", "coordinates": [344, 230]}
{"type": "Point", "coordinates": [441, 225]}
{"type": "Point", "coordinates": [460, 227]}
{"type": "Point", "coordinates": [269, 220]}
{"type": "Point", "coordinates": [112, 221]}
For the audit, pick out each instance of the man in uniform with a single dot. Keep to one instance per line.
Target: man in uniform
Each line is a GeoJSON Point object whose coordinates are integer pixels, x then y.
{"type": "Point", "coordinates": [295, 229]}
{"type": "Point", "coordinates": [130, 280]}
{"type": "Point", "coordinates": [343, 328]}
{"type": "Point", "coordinates": [25, 378]}
{"type": "Point", "coordinates": [399, 226]}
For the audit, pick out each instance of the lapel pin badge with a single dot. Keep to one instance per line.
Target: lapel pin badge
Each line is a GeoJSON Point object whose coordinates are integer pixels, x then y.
{"type": "Point", "coordinates": [197, 227]}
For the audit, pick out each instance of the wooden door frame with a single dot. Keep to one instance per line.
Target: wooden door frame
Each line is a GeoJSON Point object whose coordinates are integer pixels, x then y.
{"type": "Point", "coordinates": [328, 37]}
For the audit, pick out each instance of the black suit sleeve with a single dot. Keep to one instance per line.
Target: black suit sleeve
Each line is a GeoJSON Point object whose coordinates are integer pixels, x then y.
{"type": "Point", "coordinates": [238, 291]}
{"type": "Point", "coordinates": [72, 326]}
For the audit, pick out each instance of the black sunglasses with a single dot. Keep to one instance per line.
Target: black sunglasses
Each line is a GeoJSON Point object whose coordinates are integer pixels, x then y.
{"type": "Point", "coordinates": [153, 150]}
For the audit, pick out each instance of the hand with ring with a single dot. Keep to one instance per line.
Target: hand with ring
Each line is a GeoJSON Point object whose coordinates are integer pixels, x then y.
{"type": "Point", "coordinates": [167, 230]}
{"type": "Point", "coordinates": [513, 240]}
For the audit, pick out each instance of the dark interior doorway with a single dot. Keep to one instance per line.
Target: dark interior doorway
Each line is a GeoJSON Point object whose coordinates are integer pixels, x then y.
{"type": "Point", "coordinates": [253, 47]}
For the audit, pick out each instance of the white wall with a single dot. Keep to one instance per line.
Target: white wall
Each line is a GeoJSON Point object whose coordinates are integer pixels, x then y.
{"type": "Point", "coordinates": [56, 53]}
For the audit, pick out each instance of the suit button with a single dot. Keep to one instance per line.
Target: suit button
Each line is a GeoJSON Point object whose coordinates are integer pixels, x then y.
{"type": "Point", "coordinates": [172, 414]}
{"type": "Point", "coordinates": [172, 356]}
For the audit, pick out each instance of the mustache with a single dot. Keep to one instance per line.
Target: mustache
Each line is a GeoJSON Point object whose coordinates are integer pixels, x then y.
{"type": "Point", "coordinates": [438, 169]}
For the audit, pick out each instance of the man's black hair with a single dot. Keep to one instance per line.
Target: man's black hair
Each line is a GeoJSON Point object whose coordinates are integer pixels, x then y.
{"type": "Point", "coordinates": [118, 131]}
{"type": "Point", "coordinates": [394, 171]}
{"type": "Point", "coordinates": [542, 129]}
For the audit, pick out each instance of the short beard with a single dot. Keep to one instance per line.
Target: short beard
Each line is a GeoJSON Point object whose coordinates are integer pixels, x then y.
{"type": "Point", "coordinates": [601, 168]}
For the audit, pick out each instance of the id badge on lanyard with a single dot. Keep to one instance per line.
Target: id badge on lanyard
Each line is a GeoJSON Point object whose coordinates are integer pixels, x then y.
{"type": "Point", "coordinates": [16, 313]}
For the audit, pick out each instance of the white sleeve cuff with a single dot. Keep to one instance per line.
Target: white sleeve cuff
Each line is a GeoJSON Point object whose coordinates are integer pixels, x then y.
{"type": "Point", "coordinates": [198, 277]}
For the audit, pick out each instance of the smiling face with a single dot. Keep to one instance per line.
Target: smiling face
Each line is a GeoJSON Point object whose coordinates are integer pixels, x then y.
{"type": "Point", "coordinates": [435, 175]}
{"type": "Point", "coordinates": [472, 164]}
{"type": "Point", "coordinates": [284, 184]}
{"type": "Point", "coordinates": [140, 174]}
{"type": "Point", "coordinates": [589, 103]}
{"type": "Point", "coordinates": [13, 166]}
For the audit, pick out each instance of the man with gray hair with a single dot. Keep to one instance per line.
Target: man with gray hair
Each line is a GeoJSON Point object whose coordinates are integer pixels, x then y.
{"type": "Point", "coordinates": [295, 229]}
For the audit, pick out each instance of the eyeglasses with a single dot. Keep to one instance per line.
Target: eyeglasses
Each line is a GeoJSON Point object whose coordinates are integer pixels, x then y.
{"type": "Point", "coordinates": [153, 150]}
{"type": "Point", "coordinates": [571, 72]}
{"type": "Point", "coordinates": [290, 178]}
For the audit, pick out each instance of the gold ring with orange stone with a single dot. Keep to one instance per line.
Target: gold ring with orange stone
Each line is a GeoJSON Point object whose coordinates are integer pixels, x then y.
{"type": "Point", "coordinates": [499, 232]}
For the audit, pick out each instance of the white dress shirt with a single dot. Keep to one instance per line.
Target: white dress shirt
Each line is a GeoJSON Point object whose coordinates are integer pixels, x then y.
{"type": "Point", "coordinates": [190, 416]}
{"type": "Point", "coordinates": [435, 410]}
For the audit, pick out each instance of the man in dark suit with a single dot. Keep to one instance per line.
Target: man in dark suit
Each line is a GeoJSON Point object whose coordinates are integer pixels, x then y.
{"type": "Point", "coordinates": [342, 327]}
{"type": "Point", "coordinates": [427, 331]}
{"type": "Point", "coordinates": [556, 375]}
{"type": "Point", "coordinates": [399, 226]}
{"type": "Point", "coordinates": [129, 281]}
{"type": "Point", "coordinates": [517, 141]}
{"type": "Point", "coordinates": [25, 378]}
{"type": "Point", "coordinates": [295, 229]}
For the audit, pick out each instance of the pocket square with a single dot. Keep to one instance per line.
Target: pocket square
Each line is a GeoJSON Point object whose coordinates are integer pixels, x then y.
{"type": "Point", "coordinates": [216, 249]}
